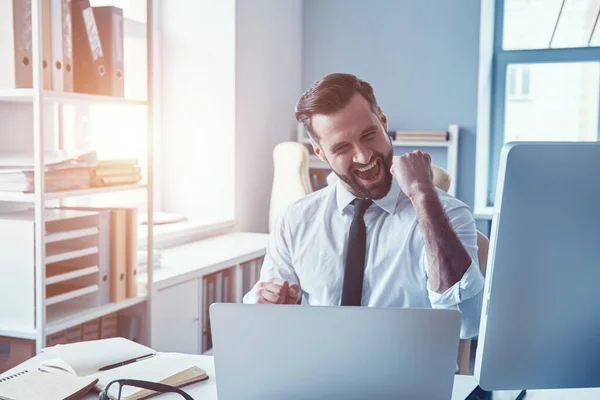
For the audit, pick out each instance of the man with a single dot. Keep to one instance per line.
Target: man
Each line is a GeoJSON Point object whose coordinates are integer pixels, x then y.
{"type": "Point", "coordinates": [383, 236]}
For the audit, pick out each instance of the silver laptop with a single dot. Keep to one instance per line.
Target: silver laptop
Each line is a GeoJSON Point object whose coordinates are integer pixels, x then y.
{"type": "Point", "coordinates": [303, 352]}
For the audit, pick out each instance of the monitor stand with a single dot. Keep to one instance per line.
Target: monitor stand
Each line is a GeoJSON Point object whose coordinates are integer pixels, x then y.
{"type": "Point", "coordinates": [479, 394]}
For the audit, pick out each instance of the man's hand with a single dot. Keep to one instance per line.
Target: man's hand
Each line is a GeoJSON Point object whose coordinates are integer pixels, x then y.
{"type": "Point", "coordinates": [413, 173]}
{"type": "Point", "coordinates": [277, 291]}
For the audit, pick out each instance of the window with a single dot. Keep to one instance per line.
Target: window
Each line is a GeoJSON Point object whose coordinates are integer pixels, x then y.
{"type": "Point", "coordinates": [194, 111]}
{"type": "Point", "coordinates": [545, 81]}
{"type": "Point", "coordinates": [518, 82]}
{"type": "Point", "coordinates": [116, 131]}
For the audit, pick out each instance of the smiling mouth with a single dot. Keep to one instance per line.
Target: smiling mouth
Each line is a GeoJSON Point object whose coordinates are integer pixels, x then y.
{"type": "Point", "coordinates": [369, 172]}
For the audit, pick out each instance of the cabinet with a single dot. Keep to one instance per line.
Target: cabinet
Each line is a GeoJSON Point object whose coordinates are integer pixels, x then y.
{"type": "Point", "coordinates": [191, 278]}
{"type": "Point", "coordinates": [176, 318]}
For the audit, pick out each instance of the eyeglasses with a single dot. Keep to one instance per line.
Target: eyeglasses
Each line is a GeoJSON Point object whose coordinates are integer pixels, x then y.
{"type": "Point", "coordinates": [156, 387]}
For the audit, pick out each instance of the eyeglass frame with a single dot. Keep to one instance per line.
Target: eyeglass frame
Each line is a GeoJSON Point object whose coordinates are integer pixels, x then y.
{"type": "Point", "coordinates": [154, 386]}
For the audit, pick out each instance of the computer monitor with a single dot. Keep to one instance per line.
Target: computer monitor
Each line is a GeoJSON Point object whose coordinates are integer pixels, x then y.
{"type": "Point", "coordinates": [540, 324]}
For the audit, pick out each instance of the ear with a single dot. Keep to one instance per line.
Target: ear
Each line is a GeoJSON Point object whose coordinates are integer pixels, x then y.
{"type": "Point", "coordinates": [383, 119]}
{"type": "Point", "coordinates": [318, 151]}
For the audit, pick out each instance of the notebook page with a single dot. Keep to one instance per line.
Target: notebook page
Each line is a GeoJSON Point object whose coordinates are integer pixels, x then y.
{"type": "Point", "coordinates": [87, 358]}
{"type": "Point", "coordinates": [42, 385]}
{"type": "Point", "coordinates": [153, 369]}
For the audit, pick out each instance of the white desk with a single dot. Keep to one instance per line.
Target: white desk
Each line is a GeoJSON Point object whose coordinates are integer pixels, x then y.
{"type": "Point", "coordinates": [207, 390]}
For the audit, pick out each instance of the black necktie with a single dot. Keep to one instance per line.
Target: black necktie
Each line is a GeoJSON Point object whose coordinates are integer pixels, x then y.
{"type": "Point", "coordinates": [355, 255]}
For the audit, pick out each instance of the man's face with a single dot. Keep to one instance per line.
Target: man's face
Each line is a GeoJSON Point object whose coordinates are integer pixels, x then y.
{"type": "Point", "coordinates": [355, 144]}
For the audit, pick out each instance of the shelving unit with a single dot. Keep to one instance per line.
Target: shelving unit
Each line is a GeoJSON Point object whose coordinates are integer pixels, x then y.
{"type": "Point", "coordinates": [75, 307]}
{"type": "Point", "coordinates": [30, 197]}
{"type": "Point", "coordinates": [61, 319]}
{"type": "Point", "coordinates": [48, 96]}
{"type": "Point", "coordinates": [450, 146]}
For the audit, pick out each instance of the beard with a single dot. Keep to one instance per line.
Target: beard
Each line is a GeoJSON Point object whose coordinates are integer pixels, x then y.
{"type": "Point", "coordinates": [375, 190]}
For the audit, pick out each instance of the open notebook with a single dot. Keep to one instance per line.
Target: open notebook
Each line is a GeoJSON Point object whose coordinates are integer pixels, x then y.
{"type": "Point", "coordinates": [117, 358]}
{"type": "Point", "coordinates": [42, 385]}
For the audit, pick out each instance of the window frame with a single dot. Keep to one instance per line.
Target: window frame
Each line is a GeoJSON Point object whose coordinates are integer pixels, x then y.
{"type": "Point", "coordinates": [518, 73]}
{"type": "Point", "coordinates": [494, 62]}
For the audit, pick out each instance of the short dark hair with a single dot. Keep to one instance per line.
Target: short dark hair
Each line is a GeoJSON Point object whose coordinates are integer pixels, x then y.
{"type": "Point", "coordinates": [329, 95]}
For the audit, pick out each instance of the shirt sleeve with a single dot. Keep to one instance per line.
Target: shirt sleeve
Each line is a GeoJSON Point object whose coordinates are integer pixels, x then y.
{"type": "Point", "coordinates": [278, 260]}
{"type": "Point", "coordinates": [464, 295]}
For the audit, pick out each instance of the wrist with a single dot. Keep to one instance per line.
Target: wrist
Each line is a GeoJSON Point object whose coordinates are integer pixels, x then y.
{"type": "Point", "coordinates": [422, 193]}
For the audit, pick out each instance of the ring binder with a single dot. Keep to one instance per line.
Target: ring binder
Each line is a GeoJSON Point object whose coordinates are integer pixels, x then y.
{"type": "Point", "coordinates": [7, 378]}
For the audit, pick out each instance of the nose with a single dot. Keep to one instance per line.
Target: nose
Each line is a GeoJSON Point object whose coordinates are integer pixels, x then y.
{"type": "Point", "coordinates": [363, 155]}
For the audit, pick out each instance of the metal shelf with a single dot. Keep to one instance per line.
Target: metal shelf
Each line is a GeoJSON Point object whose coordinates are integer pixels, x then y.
{"type": "Point", "coordinates": [420, 143]}
{"type": "Point", "coordinates": [48, 96]}
{"type": "Point", "coordinates": [19, 334]}
{"type": "Point", "coordinates": [71, 274]}
{"type": "Point", "coordinates": [405, 143]}
{"type": "Point", "coordinates": [72, 234]}
{"type": "Point", "coordinates": [30, 197]}
{"type": "Point", "coordinates": [73, 294]}
{"type": "Point", "coordinates": [55, 255]}
{"type": "Point", "coordinates": [61, 318]}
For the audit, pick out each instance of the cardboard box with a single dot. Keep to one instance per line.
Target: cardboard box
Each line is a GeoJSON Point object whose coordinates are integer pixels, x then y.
{"type": "Point", "coordinates": [108, 326]}
{"type": "Point", "coordinates": [91, 330]}
{"type": "Point", "coordinates": [14, 351]}
{"type": "Point", "coordinates": [57, 338]}
{"type": "Point", "coordinates": [75, 334]}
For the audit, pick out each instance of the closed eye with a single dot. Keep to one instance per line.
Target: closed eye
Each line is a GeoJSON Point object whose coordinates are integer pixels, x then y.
{"type": "Point", "coordinates": [369, 135]}
{"type": "Point", "coordinates": [340, 149]}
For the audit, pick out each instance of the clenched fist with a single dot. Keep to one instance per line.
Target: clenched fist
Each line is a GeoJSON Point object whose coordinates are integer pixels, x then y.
{"type": "Point", "coordinates": [277, 291]}
{"type": "Point", "coordinates": [413, 173]}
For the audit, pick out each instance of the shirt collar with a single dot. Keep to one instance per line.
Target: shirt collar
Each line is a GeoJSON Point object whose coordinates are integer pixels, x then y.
{"type": "Point", "coordinates": [387, 203]}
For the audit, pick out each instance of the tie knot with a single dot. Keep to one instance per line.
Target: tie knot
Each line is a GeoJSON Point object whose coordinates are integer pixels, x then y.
{"type": "Point", "coordinates": [360, 207]}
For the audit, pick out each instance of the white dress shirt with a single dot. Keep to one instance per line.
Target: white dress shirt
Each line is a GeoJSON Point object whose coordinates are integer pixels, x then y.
{"type": "Point", "coordinates": [308, 247]}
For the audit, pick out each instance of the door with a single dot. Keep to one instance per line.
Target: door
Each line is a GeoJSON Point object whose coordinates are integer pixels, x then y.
{"type": "Point", "coordinates": [176, 318]}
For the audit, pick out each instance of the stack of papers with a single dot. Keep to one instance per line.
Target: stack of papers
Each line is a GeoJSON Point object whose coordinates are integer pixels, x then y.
{"type": "Point", "coordinates": [63, 171]}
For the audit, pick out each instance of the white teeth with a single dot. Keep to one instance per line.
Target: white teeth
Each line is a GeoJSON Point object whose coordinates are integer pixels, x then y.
{"type": "Point", "coordinates": [368, 167]}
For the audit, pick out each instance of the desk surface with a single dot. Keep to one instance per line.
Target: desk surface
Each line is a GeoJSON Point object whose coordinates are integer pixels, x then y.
{"type": "Point", "coordinates": [207, 390]}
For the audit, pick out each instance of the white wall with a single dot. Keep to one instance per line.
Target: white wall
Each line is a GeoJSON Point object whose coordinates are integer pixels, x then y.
{"type": "Point", "coordinates": [268, 85]}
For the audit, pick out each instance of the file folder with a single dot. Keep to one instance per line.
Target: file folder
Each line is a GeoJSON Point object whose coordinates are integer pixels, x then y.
{"type": "Point", "coordinates": [118, 255]}
{"type": "Point", "coordinates": [62, 46]}
{"type": "Point", "coordinates": [104, 256]}
{"type": "Point", "coordinates": [109, 20]}
{"type": "Point", "coordinates": [16, 45]}
{"type": "Point", "coordinates": [132, 246]}
{"type": "Point", "coordinates": [89, 69]}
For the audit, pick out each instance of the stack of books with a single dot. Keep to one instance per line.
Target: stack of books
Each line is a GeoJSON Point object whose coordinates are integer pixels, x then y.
{"type": "Point", "coordinates": [428, 136]}
{"type": "Point", "coordinates": [115, 172]}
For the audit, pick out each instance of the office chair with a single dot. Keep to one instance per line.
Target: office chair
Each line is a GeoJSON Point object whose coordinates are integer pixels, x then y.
{"type": "Point", "coordinates": [291, 179]}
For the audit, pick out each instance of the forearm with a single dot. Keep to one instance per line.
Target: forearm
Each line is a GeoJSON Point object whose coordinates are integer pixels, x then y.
{"type": "Point", "coordinates": [447, 258]}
